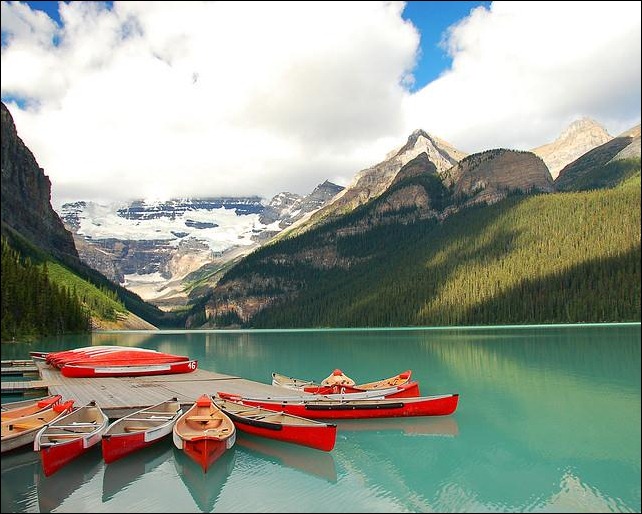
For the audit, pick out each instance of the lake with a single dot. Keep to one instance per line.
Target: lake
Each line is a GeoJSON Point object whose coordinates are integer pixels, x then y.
{"type": "Point", "coordinates": [548, 421]}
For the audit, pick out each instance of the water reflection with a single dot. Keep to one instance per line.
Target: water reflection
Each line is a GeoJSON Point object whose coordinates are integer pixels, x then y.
{"type": "Point", "coordinates": [55, 489]}
{"type": "Point", "coordinates": [572, 399]}
{"type": "Point", "coordinates": [307, 460]}
{"type": "Point", "coordinates": [127, 470]}
{"type": "Point", "coordinates": [204, 488]}
{"type": "Point", "coordinates": [548, 420]}
{"type": "Point", "coordinates": [19, 470]}
{"type": "Point", "coordinates": [445, 426]}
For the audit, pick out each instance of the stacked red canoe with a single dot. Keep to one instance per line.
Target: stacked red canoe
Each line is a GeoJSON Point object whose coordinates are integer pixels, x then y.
{"type": "Point", "coordinates": [112, 361]}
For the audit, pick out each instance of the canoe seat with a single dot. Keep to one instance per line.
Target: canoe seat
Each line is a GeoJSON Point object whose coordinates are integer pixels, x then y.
{"type": "Point", "coordinates": [26, 426]}
{"type": "Point", "coordinates": [133, 428]}
{"type": "Point", "coordinates": [153, 418]}
{"type": "Point", "coordinates": [77, 424]}
{"type": "Point", "coordinates": [216, 432]}
{"type": "Point", "coordinates": [205, 419]}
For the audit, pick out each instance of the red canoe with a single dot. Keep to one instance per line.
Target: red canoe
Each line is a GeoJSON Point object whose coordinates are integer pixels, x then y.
{"type": "Point", "coordinates": [279, 425]}
{"type": "Point", "coordinates": [111, 355]}
{"type": "Point", "coordinates": [410, 390]}
{"type": "Point", "coordinates": [126, 357]}
{"type": "Point", "coordinates": [69, 437]}
{"type": "Point", "coordinates": [310, 387]}
{"type": "Point", "coordinates": [441, 405]}
{"type": "Point", "coordinates": [27, 407]}
{"type": "Point", "coordinates": [22, 431]}
{"type": "Point", "coordinates": [140, 429]}
{"type": "Point", "coordinates": [59, 358]}
{"type": "Point", "coordinates": [204, 432]}
{"type": "Point", "coordinates": [133, 370]}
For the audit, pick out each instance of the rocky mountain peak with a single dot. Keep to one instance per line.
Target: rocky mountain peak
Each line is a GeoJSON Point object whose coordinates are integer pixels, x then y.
{"type": "Point", "coordinates": [372, 182]}
{"type": "Point", "coordinates": [575, 140]}
{"type": "Point", "coordinates": [321, 195]}
{"type": "Point", "coordinates": [441, 153]}
{"type": "Point", "coordinates": [591, 171]}
{"type": "Point", "coordinates": [412, 140]}
{"type": "Point", "coordinates": [583, 125]}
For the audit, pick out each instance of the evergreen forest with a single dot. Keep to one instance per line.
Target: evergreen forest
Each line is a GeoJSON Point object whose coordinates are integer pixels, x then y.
{"type": "Point", "coordinates": [570, 257]}
{"type": "Point", "coordinates": [35, 304]}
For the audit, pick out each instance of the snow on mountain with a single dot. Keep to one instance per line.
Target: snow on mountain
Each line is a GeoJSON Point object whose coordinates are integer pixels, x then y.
{"type": "Point", "coordinates": [215, 223]}
{"type": "Point", "coordinates": [150, 247]}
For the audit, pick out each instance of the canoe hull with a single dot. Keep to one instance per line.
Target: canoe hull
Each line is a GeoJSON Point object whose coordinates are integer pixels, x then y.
{"type": "Point", "coordinates": [320, 438]}
{"type": "Point", "coordinates": [204, 432]}
{"type": "Point", "coordinates": [111, 356]}
{"type": "Point", "coordinates": [139, 429]}
{"type": "Point", "coordinates": [403, 391]}
{"type": "Point", "coordinates": [68, 437]}
{"type": "Point", "coordinates": [443, 405]}
{"type": "Point", "coordinates": [207, 450]}
{"type": "Point", "coordinates": [60, 358]}
{"type": "Point", "coordinates": [57, 456]}
{"type": "Point", "coordinates": [115, 447]}
{"type": "Point", "coordinates": [90, 371]}
{"type": "Point", "coordinates": [23, 439]}
{"type": "Point", "coordinates": [279, 425]}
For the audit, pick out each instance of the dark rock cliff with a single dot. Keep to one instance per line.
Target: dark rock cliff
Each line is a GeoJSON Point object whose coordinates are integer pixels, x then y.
{"type": "Point", "coordinates": [26, 196]}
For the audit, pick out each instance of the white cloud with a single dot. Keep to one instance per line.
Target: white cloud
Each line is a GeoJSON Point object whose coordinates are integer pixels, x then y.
{"type": "Point", "coordinates": [152, 99]}
{"type": "Point", "coordinates": [522, 71]}
{"type": "Point", "coordinates": [195, 98]}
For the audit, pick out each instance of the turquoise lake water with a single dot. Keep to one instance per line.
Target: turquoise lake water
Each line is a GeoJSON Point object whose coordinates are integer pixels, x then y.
{"type": "Point", "coordinates": [548, 421]}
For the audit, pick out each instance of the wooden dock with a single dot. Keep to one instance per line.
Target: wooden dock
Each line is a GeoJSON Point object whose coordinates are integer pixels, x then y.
{"type": "Point", "coordinates": [24, 386]}
{"type": "Point", "coordinates": [119, 396]}
{"type": "Point", "coordinates": [18, 367]}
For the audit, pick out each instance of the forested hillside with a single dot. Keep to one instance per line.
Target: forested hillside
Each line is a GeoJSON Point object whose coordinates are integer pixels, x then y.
{"type": "Point", "coordinates": [107, 304]}
{"type": "Point", "coordinates": [34, 304]}
{"type": "Point", "coordinates": [41, 247]}
{"type": "Point", "coordinates": [563, 257]}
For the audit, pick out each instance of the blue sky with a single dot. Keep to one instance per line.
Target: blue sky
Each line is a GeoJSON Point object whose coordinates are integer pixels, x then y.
{"type": "Point", "coordinates": [432, 19]}
{"type": "Point", "coordinates": [158, 99]}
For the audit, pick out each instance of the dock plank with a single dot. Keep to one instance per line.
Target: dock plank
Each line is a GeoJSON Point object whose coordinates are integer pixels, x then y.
{"type": "Point", "coordinates": [24, 386]}
{"type": "Point", "coordinates": [120, 396]}
{"type": "Point", "coordinates": [16, 362]}
{"type": "Point", "coordinates": [18, 370]}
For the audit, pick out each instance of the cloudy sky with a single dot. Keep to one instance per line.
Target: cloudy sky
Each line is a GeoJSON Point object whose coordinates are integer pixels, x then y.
{"type": "Point", "coordinates": [175, 99]}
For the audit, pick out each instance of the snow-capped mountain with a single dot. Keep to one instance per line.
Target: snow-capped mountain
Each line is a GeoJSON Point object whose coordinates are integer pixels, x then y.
{"type": "Point", "coordinates": [218, 222]}
{"type": "Point", "coordinates": [150, 247]}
